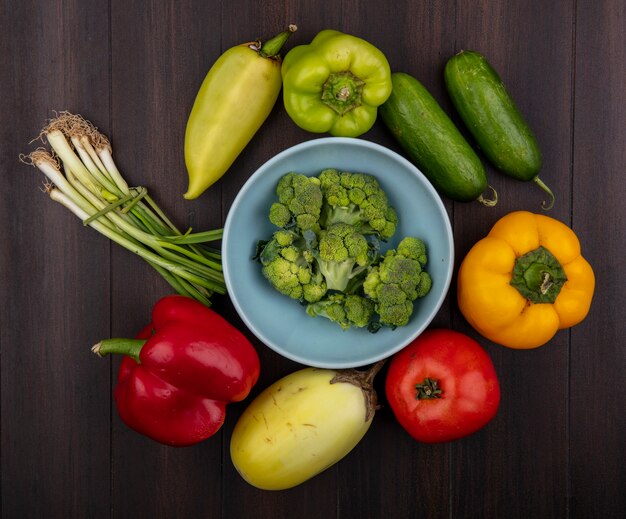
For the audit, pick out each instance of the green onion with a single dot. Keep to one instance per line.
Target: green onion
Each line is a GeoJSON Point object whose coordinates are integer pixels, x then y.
{"type": "Point", "coordinates": [82, 176]}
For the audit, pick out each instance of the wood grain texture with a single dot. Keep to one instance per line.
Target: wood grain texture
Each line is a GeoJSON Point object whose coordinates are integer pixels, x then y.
{"type": "Point", "coordinates": [555, 449]}
{"type": "Point", "coordinates": [598, 360]}
{"type": "Point", "coordinates": [55, 434]}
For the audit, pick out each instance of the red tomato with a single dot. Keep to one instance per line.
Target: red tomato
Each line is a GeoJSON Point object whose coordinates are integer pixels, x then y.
{"type": "Point", "coordinates": [442, 386]}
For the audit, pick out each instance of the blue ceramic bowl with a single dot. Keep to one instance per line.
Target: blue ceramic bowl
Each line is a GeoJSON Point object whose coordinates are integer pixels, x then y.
{"type": "Point", "coordinates": [282, 323]}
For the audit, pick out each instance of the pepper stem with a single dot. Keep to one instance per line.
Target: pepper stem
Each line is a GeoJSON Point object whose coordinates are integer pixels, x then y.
{"type": "Point", "coordinates": [130, 347]}
{"type": "Point", "coordinates": [342, 91]}
{"type": "Point", "coordinates": [538, 276]}
{"type": "Point", "coordinates": [271, 48]}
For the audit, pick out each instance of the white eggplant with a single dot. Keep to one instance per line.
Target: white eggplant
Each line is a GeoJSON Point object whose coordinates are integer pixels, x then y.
{"type": "Point", "coordinates": [303, 424]}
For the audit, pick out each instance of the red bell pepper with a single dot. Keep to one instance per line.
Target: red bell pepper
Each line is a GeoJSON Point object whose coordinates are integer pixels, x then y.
{"type": "Point", "coordinates": [181, 371]}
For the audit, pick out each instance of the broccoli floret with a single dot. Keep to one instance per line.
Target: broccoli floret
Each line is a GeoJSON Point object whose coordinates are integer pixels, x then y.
{"type": "Point", "coordinates": [299, 202]}
{"type": "Point", "coordinates": [288, 264]}
{"type": "Point", "coordinates": [397, 281]}
{"type": "Point", "coordinates": [280, 215]}
{"type": "Point", "coordinates": [356, 199]}
{"type": "Point", "coordinates": [425, 284]}
{"type": "Point", "coordinates": [343, 253]}
{"type": "Point", "coordinates": [414, 248]}
{"type": "Point", "coordinates": [347, 310]}
{"type": "Point", "coordinates": [411, 247]}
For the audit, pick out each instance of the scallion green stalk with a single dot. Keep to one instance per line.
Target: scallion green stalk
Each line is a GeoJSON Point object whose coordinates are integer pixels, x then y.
{"type": "Point", "coordinates": [91, 186]}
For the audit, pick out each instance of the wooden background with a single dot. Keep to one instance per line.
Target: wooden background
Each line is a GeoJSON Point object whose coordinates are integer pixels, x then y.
{"type": "Point", "coordinates": [556, 446]}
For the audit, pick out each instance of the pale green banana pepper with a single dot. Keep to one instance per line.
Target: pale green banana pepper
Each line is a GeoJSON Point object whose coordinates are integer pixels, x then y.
{"type": "Point", "coordinates": [234, 100]}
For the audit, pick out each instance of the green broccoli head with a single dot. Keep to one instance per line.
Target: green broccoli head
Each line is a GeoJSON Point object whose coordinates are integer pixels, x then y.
{"type": "Point", "coordinates": [347, 310]}
{"type": "Point", "coordinates": [397, 281]}
{"type": "Point", "coordinates": [299, 202]}
{"type": "Point", "coordinates": [411, 247]}
{"type": "Point", "coordinates": [391, 302]}
{"type": "Point", "coordinates": [425, 284]}
{"type": "Point", "coordinates": [395, 315]}
{"type": "Point", "coordinates": [359, 310]}
{"type": "Point", "coordinates": [280, 215]}
{"type": "Point", "coordinates": [399, 271]}
{"type": "Point", "coordinates": [326, 251]}
{"type": "Point", "coordinates": [356, 199]}
{"type": "Point", "coordinates": [315, 289]}
{"type": "Point", "coordinates": [288, 265]}
{"type": "Point", "coordinates": [343, 253]}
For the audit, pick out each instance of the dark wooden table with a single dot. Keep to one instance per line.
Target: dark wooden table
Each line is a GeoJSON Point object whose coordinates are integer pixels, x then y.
{"type": "Point", "coordinates": [555, 448]}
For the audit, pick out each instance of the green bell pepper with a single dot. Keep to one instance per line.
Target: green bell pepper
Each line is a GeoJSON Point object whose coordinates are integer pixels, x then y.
{"type": "Point", "coordinates": [335, 84]}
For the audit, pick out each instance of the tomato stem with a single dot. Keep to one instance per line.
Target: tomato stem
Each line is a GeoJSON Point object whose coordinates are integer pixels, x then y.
{"type": "Point", "coordinates": [428, 389]}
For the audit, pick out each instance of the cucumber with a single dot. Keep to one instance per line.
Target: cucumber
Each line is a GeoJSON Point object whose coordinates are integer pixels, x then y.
{"type": "Point", "coordinates": [432, 142]}
{"type": "Point", "coordinates": [493, 119]}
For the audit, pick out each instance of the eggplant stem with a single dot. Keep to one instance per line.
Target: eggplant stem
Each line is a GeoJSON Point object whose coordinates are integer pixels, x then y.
{"type": "Point", "coordinates": [365, 381]}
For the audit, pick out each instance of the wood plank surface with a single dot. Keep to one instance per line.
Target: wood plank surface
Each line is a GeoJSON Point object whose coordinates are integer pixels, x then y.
{"type": "Point", "coordinates": [597, 351]}
{"type": "Point", "coordinates": [55, 402]}
{"type": "Point", "coordinates": [556, 447]}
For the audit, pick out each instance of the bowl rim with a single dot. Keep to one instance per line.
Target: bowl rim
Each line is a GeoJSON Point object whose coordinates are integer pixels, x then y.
{"type": "Point", "coordinates": [247, 186]}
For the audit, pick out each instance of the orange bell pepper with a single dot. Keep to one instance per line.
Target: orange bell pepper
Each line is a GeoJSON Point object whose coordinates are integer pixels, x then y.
{"type": "Point", "coordinates": [525, 281]}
